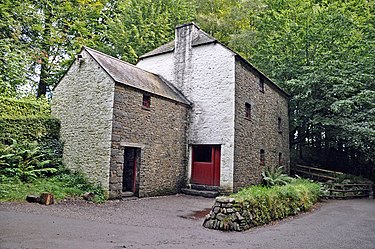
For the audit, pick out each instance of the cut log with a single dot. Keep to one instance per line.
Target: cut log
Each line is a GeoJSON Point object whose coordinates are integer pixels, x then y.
{"type": "Point", "coordinates": [88, 196]}
{"type": "Point", "coordinates": [46, 199]}
{"type": "Point", "coordinates": [33, 198]}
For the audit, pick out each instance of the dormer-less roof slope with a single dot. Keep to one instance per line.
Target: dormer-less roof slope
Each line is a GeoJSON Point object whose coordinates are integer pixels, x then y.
{"type": "Point", "coordinates": [130, 75]}
{"type": "Point", "coordinates": [200, 39]}
{"type": "Point", "coordinates": [203, 38]}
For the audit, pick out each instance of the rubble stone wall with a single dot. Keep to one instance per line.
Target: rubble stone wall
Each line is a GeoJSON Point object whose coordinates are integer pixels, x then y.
{"type": "Point", "coordinates": [83, 102]}
{"type": "Point", "coordinates": [160, 134]}
{"type": "Point", "coordinates": [260, 131]}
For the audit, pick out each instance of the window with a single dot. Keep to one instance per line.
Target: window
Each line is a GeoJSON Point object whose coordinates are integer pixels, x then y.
{"type": "Point", "coordinates": [280, 159]}
{"type": "Point", "coordinates": [261, 84]}
{"type": "Point", "coordinates": [279, 124]}
{"type": "Point", "coordinates": [202, 153]}
{"type": "Point", "coordinates": [247, 111]}
{"type": "Point", "coordinates": [262, 157]}
{"type": "Point", "coordinates": [146, 102]}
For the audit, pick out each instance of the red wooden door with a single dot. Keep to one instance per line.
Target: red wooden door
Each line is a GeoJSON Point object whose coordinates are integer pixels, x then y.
{"type": "Point", "coordinates": [206, 165]}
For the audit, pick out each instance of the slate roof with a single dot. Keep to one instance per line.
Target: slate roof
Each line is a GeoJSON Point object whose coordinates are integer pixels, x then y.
{"type": "Point", "coordinates": [130, 75]}
{"type": "Point", "coordinates": [200, 39]}
{"type": "Point", "coordinates": [204, 38]}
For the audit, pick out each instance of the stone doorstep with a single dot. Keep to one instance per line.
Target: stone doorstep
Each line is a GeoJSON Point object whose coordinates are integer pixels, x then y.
{"type": "Point", "coordinates": [204, 193]}
{"type": "Point", "coordinates": [204, 187]}
{"type": "Point", "coordinates": [127, 194]}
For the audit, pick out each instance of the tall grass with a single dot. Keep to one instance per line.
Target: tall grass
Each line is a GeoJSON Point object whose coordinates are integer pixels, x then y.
{"type": "Point", "coordinates": [63, 185]}
{"type": "Point", "coordinates": [262, 204]}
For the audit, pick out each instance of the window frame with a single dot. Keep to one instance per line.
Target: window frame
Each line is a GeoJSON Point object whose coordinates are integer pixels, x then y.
{"type": "Point", "coordinates": [262, 157]}
{"type": "Point", "coordinates": [248, 110]}
{"type": "Point", "coordinates": [146, 101]}
{"type": "Point", "coordinates": [279, 125]}
{"type": "Point", "coordinates": [261, 84]}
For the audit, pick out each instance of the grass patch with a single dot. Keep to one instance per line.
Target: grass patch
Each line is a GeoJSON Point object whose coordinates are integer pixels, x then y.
{"type": "Point", "coordinates": [263, 204]}
{"type": "Point", "coordinates": [63, 185]}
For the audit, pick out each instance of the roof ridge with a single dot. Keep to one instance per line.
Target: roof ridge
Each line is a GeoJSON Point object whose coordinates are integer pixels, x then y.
{"type": "Point", "coordinates": [115, 69]}
{"type": "Point", "coordinates": [119, 60]}
{"type": "Point", "coordinates": [208, 35]}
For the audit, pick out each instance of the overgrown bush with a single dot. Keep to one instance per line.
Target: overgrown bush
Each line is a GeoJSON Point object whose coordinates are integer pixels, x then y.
{"type": "Point", "coordinates": [63, 184]}
{"type": "Point", "coordinates": [264, 204]}
{"type": "Point", "coordinates": [27, 161]}
{"type": "Point", "coordinates": [31, 154]}
{"type": "Point", "coordinates": [43, 129]}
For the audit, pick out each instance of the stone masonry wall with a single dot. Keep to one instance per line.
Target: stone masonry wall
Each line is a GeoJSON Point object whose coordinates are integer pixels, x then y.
{"type": "Point", "coordinates": [83, 102]}
{"type": "Point", "coordinates": [225, 215]}
{"type": "Point", "coordinates": [160, 133]}
{"type": "Point", "coordinates": [261, 130]}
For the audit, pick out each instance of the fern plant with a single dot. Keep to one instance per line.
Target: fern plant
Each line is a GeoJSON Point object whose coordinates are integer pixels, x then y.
{"type": "Point", "coordinates": [25, 161]}
{"type": "Point", "coordinates": [275, 176]}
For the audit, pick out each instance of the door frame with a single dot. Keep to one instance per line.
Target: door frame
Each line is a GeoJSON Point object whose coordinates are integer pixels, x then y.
{"type": "Point", "coordinates": [215, 163]}
{"type": "Point", "coordinates": [136, 161]}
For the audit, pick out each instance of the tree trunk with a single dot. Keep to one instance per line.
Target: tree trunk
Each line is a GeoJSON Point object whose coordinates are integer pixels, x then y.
{"type": "Point", "coordinates": [44, 56]}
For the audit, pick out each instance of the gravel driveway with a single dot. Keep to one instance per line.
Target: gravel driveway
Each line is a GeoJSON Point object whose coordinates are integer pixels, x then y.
{"type": "Point", "coordinates": [176, 222]}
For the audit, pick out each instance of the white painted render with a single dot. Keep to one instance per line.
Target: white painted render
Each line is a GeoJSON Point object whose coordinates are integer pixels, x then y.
{"type": "Point", "coordinates": [209, 85]}
{"type": "Point", "coordinates": [212, 92]}
{"type": "Point", "coordinates": [162, 65]}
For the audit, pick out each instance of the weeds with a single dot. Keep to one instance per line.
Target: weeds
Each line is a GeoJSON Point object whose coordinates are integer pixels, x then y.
{"type": "Point", "coordinates": [63, 185]}
{"type": "Point", "coordinates": [25, 161]}
{"type": "Point", "coordinates": [27, 168]}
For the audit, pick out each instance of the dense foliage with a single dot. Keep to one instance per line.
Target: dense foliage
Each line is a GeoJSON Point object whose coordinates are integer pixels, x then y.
{"type": "Point", "coordinates": [63, 184]}
{"type": "Point", "coordinates": [275, 176]}
{"type": "Point", "coordinates": [321, 52]}
{"type": "Point", "coordinates": [266, 204]}
{"type": "Point", "coordinates": [31, 107]}
{"type": "Point", "coordinates": [31, 154]}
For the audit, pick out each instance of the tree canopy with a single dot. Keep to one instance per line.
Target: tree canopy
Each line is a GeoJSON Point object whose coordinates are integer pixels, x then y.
{"type": "Point", "coordinates": [321, 51]}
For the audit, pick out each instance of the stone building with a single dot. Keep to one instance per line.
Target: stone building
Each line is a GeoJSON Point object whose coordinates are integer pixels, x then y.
{"type": "Point", "coordinates": [191, 114]}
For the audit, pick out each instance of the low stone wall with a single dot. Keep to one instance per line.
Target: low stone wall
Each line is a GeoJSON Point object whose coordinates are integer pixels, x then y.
{"type": "Point", "coordinates": [227, 215]}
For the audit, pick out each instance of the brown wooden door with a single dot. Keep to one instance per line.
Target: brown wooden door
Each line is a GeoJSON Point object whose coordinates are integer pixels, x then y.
{"type": "Point", "coordinates": [130, 169]}
{"type": "Point", "coordinates": [206, 165]}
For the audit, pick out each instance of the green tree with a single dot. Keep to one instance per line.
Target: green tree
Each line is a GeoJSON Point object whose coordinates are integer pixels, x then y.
{"type": "Point", "coordinates": [134, 27]}
{"type": "Point", "coordinates": [322, 52]}
{"type": "Point", "coordinates": [14, 59]}
{"type": "Point", "coordinates": [46, 33]}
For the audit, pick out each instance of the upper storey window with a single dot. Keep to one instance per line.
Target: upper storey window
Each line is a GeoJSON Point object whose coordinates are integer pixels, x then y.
{"type": "Point", "coordinates": [262, 157]}
{"type": "Point", "coordinates": [261, 84]}
{"type": "Point", "coordinates": [248, 110]}
{"type": "Point", "coordinates": [146, 102]}
{"type": "Point", "coordinates": [279, 124]}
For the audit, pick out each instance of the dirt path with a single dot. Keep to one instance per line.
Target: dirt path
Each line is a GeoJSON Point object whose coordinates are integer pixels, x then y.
{"type": "Point", "coordinates": [172, 222]}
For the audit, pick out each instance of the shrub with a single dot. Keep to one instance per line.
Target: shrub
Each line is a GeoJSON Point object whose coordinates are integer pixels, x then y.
{"type": "Point", "coordinates": [12, 107]}
{"type": "Point", "coordinates": [275, 176]}
{"type": "Point", "coordinates": [262, 204]}
{"type": "Point", "coordinates": [43, 129]}
{"type": "Point", "coordinates": [26, 161]}
{"type": "Point", "coordinates": [62, 185]}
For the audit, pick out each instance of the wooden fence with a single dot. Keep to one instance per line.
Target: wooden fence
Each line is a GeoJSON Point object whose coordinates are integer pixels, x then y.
{"type": "Point", "coordinates": [315, 173]}
{"type": "Point", "coordinates": [332, 189]}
